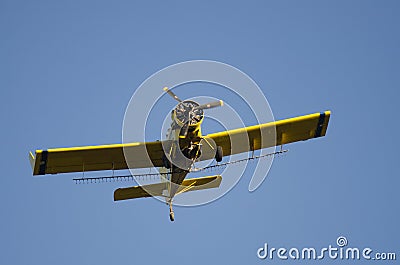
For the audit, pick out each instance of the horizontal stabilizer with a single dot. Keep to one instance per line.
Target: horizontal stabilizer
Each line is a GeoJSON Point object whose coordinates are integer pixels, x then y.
{"type": "Point", "coordinates": [159, 189]}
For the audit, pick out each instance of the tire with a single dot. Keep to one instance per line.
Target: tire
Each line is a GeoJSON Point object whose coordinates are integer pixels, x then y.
{"type": "Point", "coordinates": [219, 154]}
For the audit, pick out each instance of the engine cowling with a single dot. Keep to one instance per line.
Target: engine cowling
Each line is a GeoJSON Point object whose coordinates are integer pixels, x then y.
{"type": "Point", "coordinates": [186, 114]}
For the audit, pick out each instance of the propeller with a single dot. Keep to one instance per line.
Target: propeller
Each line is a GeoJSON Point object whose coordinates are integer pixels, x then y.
{"type": "Point", "coordinates": [211, 105]}
{"type": "Point", "coordinates": [190, 110]}
{"type": "Point", "coordinates": [172, 94]}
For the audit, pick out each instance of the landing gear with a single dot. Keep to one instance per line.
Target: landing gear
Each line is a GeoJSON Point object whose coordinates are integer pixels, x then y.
{"type": "Point", "coordinates": [219, 154]}
{"type": "Point", "coordinates": [192, 152]}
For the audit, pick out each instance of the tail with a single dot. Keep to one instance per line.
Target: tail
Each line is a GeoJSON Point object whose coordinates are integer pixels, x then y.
{"type": "Point", "coordinates": [161, 189]}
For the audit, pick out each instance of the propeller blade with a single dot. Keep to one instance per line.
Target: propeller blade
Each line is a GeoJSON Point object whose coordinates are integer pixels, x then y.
{"type": "Point", "coordinates": [172, 94]}
{"type": "Point", "coordinates": [211, 105]}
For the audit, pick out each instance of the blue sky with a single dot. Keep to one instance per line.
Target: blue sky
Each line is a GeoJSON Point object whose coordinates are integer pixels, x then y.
{"type": "Point", "coordinates": [68, 70]}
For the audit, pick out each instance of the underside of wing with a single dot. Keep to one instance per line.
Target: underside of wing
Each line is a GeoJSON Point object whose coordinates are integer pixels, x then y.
{"type": "Point", "coordinates": [93, 158]}
{"type": "Point", "coordinates": [271, 134]}
{"type": "Point", "coordinates": [150, 154]}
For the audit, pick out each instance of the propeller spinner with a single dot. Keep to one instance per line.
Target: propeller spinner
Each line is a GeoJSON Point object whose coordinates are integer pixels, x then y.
{"type": "Point", "coordinates": [190, 113]}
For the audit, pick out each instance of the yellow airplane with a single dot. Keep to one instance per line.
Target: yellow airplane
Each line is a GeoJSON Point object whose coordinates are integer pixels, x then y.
{"type": "Point", "coordinates": [184, 146]}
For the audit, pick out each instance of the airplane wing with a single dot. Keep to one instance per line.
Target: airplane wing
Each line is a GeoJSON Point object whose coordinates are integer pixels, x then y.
{"type": "Point", "coordinates": [93, 158]}
{"type": "Point", "coordinates": [271, 134]}
{"type": "Point", "coordinates": [149, 154]}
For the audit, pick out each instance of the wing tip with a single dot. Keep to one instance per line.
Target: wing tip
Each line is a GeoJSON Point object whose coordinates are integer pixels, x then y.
{"type": "Point", "coordinates": [327, 113]}
{"type": "Point", "coordinates": [322, 125]}
{"type": "Point", "coordinates": [32, 160]}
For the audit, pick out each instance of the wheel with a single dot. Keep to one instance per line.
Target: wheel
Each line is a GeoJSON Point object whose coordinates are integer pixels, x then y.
{"type": "Point", "coordinates": [166, 162]}
{"type": "Point", "coordinates": [171, 216]}
{"type": "Point", "coordinates": [219, 154]}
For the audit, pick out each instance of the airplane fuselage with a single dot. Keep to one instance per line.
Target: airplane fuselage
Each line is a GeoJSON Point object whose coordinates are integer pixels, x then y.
{"type": "Point", "coordinates": [184, 135]}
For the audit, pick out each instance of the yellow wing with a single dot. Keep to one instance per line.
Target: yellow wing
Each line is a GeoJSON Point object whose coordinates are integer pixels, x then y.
{"type": "Point", "coordinates": [273, 133]}
{"type": "Point", "coordinates": [93, 158]}
{"type": "Point", "coordinates": [143, 155]}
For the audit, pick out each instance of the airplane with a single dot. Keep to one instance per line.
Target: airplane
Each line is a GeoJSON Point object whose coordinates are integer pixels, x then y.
{"type": "Point", "coordinates": [185, 145]}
